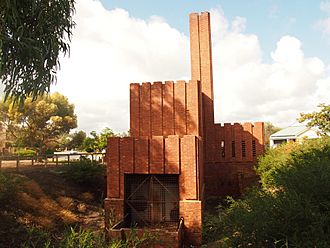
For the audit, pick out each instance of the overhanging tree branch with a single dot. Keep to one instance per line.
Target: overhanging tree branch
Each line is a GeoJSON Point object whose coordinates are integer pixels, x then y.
{"type": "Point", "coordinates": [33, 33]}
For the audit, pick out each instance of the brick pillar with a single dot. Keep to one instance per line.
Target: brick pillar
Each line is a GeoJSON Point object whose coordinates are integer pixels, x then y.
{"type": "Point", "coordinates": [134, 110]}
{"type": "Point", "coordinates": [190, 197]}
{"type": "Point", "coordinates": [194, 47]}
{"type": "Point", "coordinates": [201, 69]}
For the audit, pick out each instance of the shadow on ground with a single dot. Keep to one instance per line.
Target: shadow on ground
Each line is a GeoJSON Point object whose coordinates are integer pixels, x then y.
{"type": "Point", "coordinates": [48, 202]}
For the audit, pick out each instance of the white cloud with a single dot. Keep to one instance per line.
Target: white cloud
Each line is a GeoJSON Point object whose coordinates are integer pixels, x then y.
{"type": "Point", "coordinates": [238, 25]}
{"type": "Point", "coordinates": [248, 89]}
{"type": "Point", "coordinates": [325, 6]}
{"type": "Point", "coordinates": [324, 24]}
{"type": "Point", "coordinates": [111, 49]}
{"type": "Point", "coordinates": [273, 11]}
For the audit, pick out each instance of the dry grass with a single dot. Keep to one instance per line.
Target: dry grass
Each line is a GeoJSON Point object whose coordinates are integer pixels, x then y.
{"type": "Point", "coordinates": [48, 202]}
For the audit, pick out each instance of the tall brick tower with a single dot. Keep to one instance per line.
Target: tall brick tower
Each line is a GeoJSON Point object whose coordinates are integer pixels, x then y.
{"type": "Point", "coordinates": [201, 70]}
{"type": "Point", "coordinates": [229, 150]}
{"type": "Point", "coordinates": [157, 178]}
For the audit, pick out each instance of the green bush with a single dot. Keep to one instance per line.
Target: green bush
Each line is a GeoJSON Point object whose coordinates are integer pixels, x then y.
{"type": "Point", "coordinates": [49, 152]}
{"type": "Point", "coordinates": [212, 228]}
{"type": "Point", "coordinates": [83, 172]}
{"type": "Point", "coordinates": [291, 208]}
{"type": "Point", "coordinates": [293, 158]}
{"type": "Point", "coordinates": [25, 153]}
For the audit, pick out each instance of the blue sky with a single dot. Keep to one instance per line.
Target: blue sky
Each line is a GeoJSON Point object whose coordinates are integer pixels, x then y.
{"type": "Point", "coordinates": [270, 58]}
{"type": "Point", "coordinates": [269, 19]}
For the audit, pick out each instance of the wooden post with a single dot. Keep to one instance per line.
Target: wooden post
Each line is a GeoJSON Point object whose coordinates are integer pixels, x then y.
{"type": "Point", "coordinates": [46, 161]}
{"type": "Point", "coordinates": [32, 161]}
{"type": "Point", "coordinates": [92, 157]}
{"type": "Point", "coordinates": [68, 159]}
{"type": "Point", "coordinates": [17, 163]}
{"type": "Point", "coordinates": [0, 162]}
{"type": "Point", "coordinates": [56, 157]}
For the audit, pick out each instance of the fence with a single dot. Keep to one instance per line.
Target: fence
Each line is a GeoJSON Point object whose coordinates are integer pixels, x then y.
{"type": "Point", "coordinates": [18, 162]}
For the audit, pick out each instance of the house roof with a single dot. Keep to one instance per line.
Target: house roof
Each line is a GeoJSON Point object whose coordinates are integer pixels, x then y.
{"type": "Point", "coordinates": [289, 132]}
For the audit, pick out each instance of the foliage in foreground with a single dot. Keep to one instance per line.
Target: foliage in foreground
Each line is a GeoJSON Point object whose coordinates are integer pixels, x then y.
{"type": "Point", "coordinates": [291, 208]}
{"type": "Point", "coordinates": [81, 238]}
{"type": "Point", "coordinates": [33, 34]}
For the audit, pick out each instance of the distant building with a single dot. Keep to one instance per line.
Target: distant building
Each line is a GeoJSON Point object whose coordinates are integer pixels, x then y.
{"type": "Point", "coordinates": [293, 133]}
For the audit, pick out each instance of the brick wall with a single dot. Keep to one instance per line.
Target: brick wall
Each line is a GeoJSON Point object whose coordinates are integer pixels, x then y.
{"type": "Point", "coordinates": [173, 154]}
{"type": "Point", "coordinates": [155, 155]}
{"type": "Point", "coordinates": [162, 109]}
{"type": "Point", "coordinates": [238, 142]}
{"type": "Point", "coordinates": [236, 149]}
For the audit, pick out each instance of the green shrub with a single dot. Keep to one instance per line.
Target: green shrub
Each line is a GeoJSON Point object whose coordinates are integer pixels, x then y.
{"type": "Point", "coordinates": [298, 160]}
{"type": "Point", "coordinates": [274, 160]}
{"type": "Point", "coordinates": [25, 153]}
{"type": "Point", "coordinates": [291, 208]}
{"type": "Point", "coordinates": [49, 152]}
{"type": "Point", "coordinates": [83, 172]}
{"type": "Point", "coordinates": [212, 228]}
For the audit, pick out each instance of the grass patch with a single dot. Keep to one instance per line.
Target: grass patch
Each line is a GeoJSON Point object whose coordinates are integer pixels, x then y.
{"type": "Point", "coordinates": [9, 185]}
{"type": "Point", "coordinates": [79, 238]}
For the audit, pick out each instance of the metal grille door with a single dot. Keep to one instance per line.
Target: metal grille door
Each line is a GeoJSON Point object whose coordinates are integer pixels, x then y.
{"type": "Point", "coordinates": [151, 199]}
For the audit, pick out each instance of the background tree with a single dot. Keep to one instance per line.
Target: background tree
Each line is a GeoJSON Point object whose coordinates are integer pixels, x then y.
{"type": "Point", "coordinates": [77, 140]}
{"type": "Point", "coordinates": [270, 128]}
{"type": "Point", "coordinates": [320, 119]}
{"type": "Point", "coordinates": [98, 142]}
{"type": "Point", "coordinates": [40, 123]}
{"type": "Point", "coordinates": [32, 35]}
{"type": "Point", "coordinates": [71, 141]}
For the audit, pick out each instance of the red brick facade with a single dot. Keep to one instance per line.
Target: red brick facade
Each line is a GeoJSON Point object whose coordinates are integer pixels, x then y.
{"type": "Point", "coordinates": [236, 148]}
{"type": "Point", "coordinates": [173, 132]}
{"type": "Point", "coordinates": [163, 109]}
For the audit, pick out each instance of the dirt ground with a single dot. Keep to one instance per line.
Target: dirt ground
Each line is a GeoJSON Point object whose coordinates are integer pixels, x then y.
{"type": "Point", "coordinates": [47, 201]}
